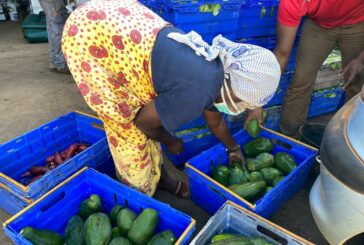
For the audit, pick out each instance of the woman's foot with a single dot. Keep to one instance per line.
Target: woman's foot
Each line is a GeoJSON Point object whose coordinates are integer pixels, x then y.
{"type": "Point", "coordinates": [169, 181]}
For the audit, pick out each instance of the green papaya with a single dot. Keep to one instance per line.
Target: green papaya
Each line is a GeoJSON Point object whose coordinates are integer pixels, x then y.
{"type": "Point", "coordinates": [114, 214]}
{"type": "Point", "coordinates": [277, 180]}
{"type": "Point", "coordinates": [237, 176]}
{"type": "Point", "coordinates": [255, 176]}
{"type": "Point", "coordinates": [263, 160]}
{"type": "Point", "coordinates": [264, 117]}
{"type": "Point", "coordinates": [98, 229]}
{"type": "Point", "coordinates": [237, 240]}
{"type": "Point", "coordinates": [223, 236]}
{"type": "Point", "coordinates": [248, 190]}
{"type": "Point", "coordinates": [163, 238]}
{"type": "Point", "coordinates": [258, 241]}
{"type": "Point", "coordinates": [116, 232]}
{"type": "Point", "coordinates": [143, 227]}
{"type": "Point", "coordinates": [90, 206]}
{"type": "Point", "coordinates": [125, 220]}
{"type": "Point", "coordinates": [253, 128]}
{"type": "Point", "coordinates": [220, 173]}
{"type": "Point", "coordinates": [257, 146]}
{"type": "Point", "coordinates": [74, 233]}
{"type": "Point", "coordinates": [269, 174]}
{"type": "Point", "coordinates": [120, 241]}
{"type": "Point", "coordinates": [41, 237]}
{"type": "Point", "coordinates": [285, 162]}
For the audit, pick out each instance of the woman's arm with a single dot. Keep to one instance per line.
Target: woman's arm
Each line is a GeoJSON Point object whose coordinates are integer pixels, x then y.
{"type": "Point", "coordinates": [218, 126]}
{"type": "Point", "coordinates": [148, 121]}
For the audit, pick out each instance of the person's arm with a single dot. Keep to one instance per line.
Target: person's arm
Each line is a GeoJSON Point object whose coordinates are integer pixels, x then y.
{"type": "Point", "coordinates": [285, 40]}
{"type": "Point", "coordinates": [218, 127]}
{"type": "Point", "coordinates": [148, 121]}
{"type": "Point", "coordinates": [353, 68]}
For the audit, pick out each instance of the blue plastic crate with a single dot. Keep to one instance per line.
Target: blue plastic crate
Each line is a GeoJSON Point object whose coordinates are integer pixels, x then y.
{"type": "Point", "coordinates": [258, 19]}
{"type": "Point", "coordinates": [193, 144]}
{"type": "Point", "coordinates": [53, 210]}
{"type": "Point", "coordinates": [210, 195]}
{"type": "Point", "coordinates": [196, 142]}
{"type": "Point", "coordinates": [10, 202]}
{"type": "Point", "coordinates": [281, 90]}
{"type": "Point", "coordinates": [208, 25]}
{"type": "Point", "coordinates": [231, 218]}
{"type": "Point", "coordinates": [270, 43]}
{"type": "Point", "coordinates": [188, 5]}
{"type": "Point", "coordinates": [33, 148]}
{"type": "Point", "coordinates": [326, 101]}
{"type": "Point", "coordinates": [197, 123]}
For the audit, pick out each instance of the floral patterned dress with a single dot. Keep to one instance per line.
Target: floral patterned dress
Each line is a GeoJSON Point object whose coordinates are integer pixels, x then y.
{"type": "Point", "coordinates": [107, 46]}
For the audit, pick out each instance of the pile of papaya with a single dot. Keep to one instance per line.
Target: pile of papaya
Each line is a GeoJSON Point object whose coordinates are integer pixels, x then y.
{"type": "Point", "coordinates": [91, 226]}
{"type": "Point", "coordinates": [262, 172]}
{"type": "Point", "coordinates": [226, 238]}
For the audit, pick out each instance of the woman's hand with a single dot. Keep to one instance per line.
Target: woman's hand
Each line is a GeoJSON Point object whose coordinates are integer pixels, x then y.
{"type": "Point", "coordinates": [254, 114]}
{"type": "Point", "coordinates": [175, 146]}
{"type": "Point", "coordinates": [237, 156]}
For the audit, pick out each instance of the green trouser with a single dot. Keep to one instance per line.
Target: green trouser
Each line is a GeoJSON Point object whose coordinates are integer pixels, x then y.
{"type": "Point", "coordinates": [315, 44]}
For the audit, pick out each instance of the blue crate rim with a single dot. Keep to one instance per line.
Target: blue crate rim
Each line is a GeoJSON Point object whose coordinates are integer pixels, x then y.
{"type": "Point", "coordinates": [26, 188]}
{"type": "Point", "coordinates": [249, 204]}
{"type": "Point", "coordinates": [5, 188]}
{"type": "Point", "coordinates": [256, 216]}
{"type": "Point", "coordinates": [189, 228]}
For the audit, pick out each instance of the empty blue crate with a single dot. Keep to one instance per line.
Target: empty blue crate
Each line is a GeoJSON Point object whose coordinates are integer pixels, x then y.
{"type": "Point", "coordinates": [53, 210]}
{"type": "Point", "coordinates": [234, 219]}
{"type": "Point", "coordinates": [209, 18]}
{"type": "Point", "coordinates": [326, 100]}
{"type": "Point", "coordinates": [270, 43]}
{"type": "Point", "coordinates": [258, 18]}
{"type": "Point", "coordinates": [210, 195]}
{"type": "Point", "coordinates": [34, 147]}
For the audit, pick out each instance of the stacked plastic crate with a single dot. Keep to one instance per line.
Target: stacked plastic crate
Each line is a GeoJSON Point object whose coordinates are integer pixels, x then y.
{"type": "Point", "coordinates": [246, 21]}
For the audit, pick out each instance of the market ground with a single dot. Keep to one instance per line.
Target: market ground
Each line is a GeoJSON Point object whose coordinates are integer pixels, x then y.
{"type": "Point", "coordinates": [31, 95]}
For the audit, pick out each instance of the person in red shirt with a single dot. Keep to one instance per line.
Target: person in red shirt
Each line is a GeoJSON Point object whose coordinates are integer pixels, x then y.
{"type": "Point", "coordinates": [328, 23]}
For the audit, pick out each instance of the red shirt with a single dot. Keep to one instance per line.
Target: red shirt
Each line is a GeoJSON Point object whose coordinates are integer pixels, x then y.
{"type": "Point", "coordinates": [325, 13]}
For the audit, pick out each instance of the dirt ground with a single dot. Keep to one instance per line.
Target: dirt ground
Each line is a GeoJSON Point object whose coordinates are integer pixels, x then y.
{"type": "Point", "coordinates": [31, 95]}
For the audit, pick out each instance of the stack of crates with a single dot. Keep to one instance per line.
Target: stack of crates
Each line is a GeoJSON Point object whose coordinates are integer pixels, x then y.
{"type": "Point", "coordinates": [251, 22]}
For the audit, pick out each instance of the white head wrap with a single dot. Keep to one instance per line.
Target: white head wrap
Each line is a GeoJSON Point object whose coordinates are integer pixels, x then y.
{"type": "Point", "coordinates": [254, 71]}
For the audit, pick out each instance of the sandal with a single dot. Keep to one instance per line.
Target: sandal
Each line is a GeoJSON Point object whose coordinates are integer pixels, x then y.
{"type": "Point", "coordinates": [174, 186]}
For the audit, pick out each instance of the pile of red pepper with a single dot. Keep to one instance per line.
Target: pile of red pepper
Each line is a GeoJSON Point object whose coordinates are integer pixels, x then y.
{"type": "Point", "coordinates": [35, 172]}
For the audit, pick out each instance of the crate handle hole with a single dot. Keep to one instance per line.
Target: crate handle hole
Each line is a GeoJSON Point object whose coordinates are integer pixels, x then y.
{"type": "Point", "coordinates": [115, 199]}
{"type": "Point", "coordinates": [272, 235]}
{"type": "Point", "coordinates": [126, 203]}
{"type": "Point", "coordinates": [282, 144]}
{"type": "Point", "coordinates": [97, 125]}
{"type": "Point", "coordinates": [53, 202]}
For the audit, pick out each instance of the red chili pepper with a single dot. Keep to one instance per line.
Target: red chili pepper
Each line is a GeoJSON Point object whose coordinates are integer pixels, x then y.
{"type": "Point", "coordinates": [58, 159]}
{"type": "Point", "coordinates": [70, 152]}
{"type": "Point", "coordinates": [50, 159]}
